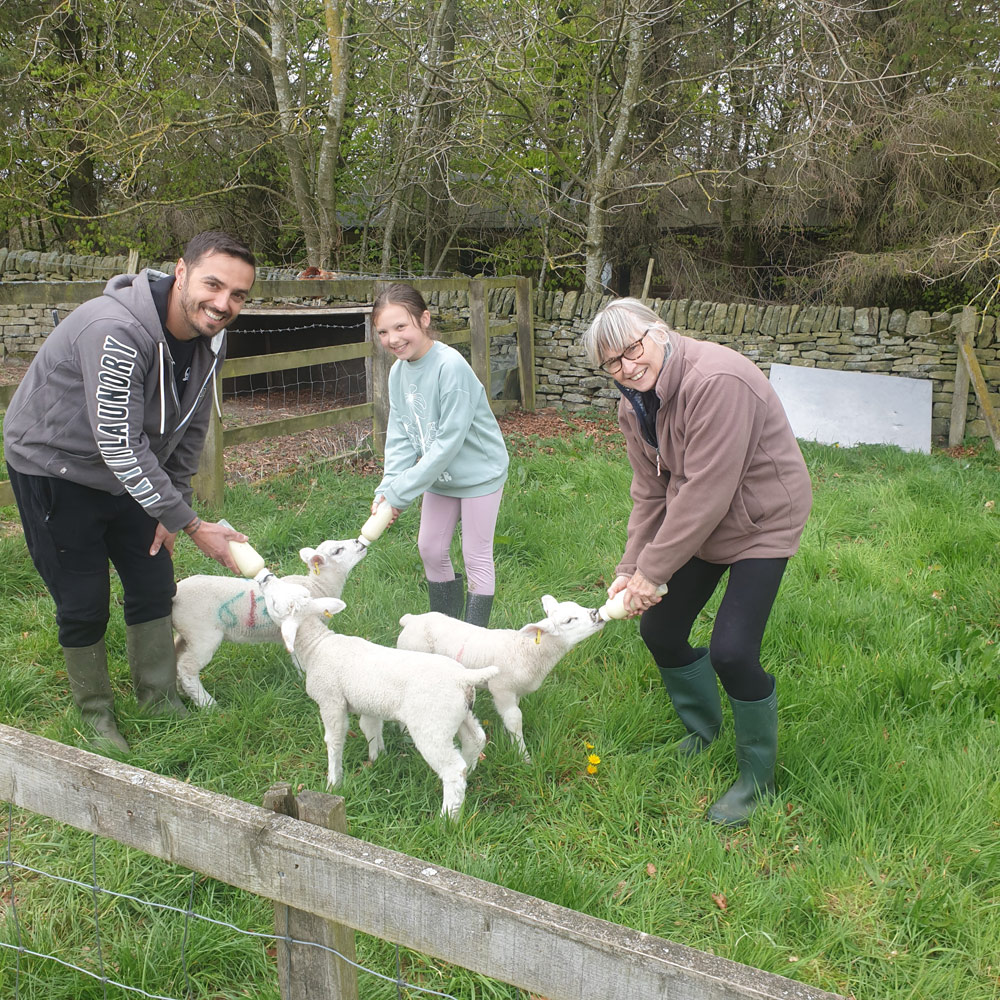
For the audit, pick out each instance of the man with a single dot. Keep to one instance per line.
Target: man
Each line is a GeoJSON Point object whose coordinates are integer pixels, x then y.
{"type": "Point", "coordinates": [101, 440]}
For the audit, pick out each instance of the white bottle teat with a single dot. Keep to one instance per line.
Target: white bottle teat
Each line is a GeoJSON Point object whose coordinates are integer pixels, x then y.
{"type": "Point", "coordinates": [248, 560]}
{"type": "Point", "coordinates": [614, 608]}
{"type": "Point", "coordinates": [376, 524]}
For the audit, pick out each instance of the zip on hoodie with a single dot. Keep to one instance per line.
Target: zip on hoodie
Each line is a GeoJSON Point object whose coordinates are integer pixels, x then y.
{"type": "Point", "coordinates": [645, 417]}
{"type": "Point", "coordinates": [209, 380]}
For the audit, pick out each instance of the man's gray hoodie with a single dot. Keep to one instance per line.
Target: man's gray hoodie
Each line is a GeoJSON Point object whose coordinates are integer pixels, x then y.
{"type": "Point", "coordinates": [98, 405]}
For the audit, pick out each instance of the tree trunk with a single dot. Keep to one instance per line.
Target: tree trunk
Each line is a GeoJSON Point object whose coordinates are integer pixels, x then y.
{"type": "Point", "coordinates": [606, 164]}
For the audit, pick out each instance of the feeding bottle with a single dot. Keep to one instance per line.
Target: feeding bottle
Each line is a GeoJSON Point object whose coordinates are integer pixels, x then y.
{"type": "Point", "coordinates": [248, 560]}
{"type": "Point", "coordinates": [376, 524]}
{"type": "Point", "coordinates": [615, 607]}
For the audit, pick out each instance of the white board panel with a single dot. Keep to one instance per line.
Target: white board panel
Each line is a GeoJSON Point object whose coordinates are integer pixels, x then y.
{"type": "Point", "coordinates": [848, 408]}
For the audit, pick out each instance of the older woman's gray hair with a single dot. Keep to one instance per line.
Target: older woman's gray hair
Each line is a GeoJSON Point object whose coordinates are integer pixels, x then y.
{"type": "Point", "coordinates": [619, 324]}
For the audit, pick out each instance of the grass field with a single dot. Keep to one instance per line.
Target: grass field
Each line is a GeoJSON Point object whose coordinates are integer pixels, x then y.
{"type": "Point", "coordinates": [876, 874]}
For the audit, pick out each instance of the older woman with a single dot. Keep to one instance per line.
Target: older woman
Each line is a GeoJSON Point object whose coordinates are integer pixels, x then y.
{"type": "Point", "coordinates": [718, 483]}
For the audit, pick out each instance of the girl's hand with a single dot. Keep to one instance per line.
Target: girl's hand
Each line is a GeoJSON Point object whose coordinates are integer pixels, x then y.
{"type": "Point", "coordinates": [376, 503]}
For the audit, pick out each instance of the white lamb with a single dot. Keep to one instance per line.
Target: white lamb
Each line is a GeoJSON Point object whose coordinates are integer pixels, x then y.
{"type": "Point", "coordinates": [208, 609]}
{"type": "Point", "coordinates": [525, 656]}
{"type": "Point", "coordinates": [431, 695]}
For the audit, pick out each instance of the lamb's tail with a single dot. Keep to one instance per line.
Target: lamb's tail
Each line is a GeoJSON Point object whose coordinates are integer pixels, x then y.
{"type": "Point", "coordinates": [477, 678]}
{"type": "Point", "coordinates": [404, 620]}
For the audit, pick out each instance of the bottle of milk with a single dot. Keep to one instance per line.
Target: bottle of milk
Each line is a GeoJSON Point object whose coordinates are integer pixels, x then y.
{"type": "Point", "coordinates": [376, 524]}
{"type": "Point", "coordinates": [615, 607]}
{"type": "Point", "coordinates": [248, 560]}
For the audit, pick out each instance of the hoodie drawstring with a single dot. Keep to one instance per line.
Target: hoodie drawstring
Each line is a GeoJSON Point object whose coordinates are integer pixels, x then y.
{"type": "Point", "coordinates": [163, 406]}
{"type": "Point", "coordinates": [215, 394]}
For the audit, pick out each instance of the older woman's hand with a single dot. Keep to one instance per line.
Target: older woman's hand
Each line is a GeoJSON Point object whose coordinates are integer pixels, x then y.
{"type": "Point", "coordinates": [640, 594]}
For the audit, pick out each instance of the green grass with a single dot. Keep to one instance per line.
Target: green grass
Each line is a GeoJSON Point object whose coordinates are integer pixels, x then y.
{"type": "Point", "coordinates": [876, 874]}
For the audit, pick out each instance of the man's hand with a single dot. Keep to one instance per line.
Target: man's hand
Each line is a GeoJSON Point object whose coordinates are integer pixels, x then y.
{"type": "Point", "coordinates": [163, 538]}
{"type": "Point", "coordinates": [213, 539]}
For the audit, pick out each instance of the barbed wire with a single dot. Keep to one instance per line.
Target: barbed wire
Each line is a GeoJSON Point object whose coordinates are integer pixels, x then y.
{"type": "Point", "coordinates": [189, 914]}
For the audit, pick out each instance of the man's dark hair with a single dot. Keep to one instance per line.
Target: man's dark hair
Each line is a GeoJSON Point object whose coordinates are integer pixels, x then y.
{"type": "Point", "coordinates": [214, 241]}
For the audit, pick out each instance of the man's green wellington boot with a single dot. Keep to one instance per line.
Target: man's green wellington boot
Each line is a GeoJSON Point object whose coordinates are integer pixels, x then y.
{"type": "Point", "coordinates": [153, 664]}
{"type": "Point", "coordinates": [87, 667]}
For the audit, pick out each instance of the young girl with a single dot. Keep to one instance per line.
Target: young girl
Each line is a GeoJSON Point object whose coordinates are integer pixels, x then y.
{"type": "Point", "coordinates": [443, 442]}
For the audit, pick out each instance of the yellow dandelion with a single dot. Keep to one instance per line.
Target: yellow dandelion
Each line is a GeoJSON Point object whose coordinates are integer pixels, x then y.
{"type": "Point", "coordinates": [589, 746]}
{"type": "Point", "coordinates": [591, 769]}
{"type": "Point", "coordinates": [594, 759]}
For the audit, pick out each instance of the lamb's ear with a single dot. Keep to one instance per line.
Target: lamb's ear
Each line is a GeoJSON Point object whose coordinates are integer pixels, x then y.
{"type": "Point", "coordinates": [545, 625]}
{"type": "Point", "coordinates": [311, 558]}
{"type": "Point", "coordinates": [288, 630]}
{"type": "Point", "coordinates": [329, 606]}
{"type": "Point", "coordinates": [549, 604]}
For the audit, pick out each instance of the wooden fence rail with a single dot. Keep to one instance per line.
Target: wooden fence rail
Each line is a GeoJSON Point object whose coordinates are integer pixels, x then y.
{"type": "Point", "coordinates": [511, 937]}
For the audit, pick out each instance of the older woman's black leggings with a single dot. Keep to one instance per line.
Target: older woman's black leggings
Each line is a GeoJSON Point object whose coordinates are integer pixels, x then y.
{"type": "Point", "coordinates": [739, 623]}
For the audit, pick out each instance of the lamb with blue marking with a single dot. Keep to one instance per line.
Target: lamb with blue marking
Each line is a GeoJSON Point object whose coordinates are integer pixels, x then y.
{"type": "Point", "coordinates": [208, 609]}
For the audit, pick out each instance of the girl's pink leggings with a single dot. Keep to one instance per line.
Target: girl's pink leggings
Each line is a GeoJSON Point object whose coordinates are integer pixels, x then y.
{"type": "Point", "coordinates": [439, 516]}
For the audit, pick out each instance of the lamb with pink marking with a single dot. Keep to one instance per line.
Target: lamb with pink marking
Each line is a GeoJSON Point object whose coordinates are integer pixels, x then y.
{"type": "Point", "coordinates": [525, 656]}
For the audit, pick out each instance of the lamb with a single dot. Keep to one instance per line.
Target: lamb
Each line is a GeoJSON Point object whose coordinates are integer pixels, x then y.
{"type": "Point", "coordinates": [208, 609]}
{"type": "Point", "coordinates": [429, 694]}
{"type": "Point", "coordinates": [525, 655]}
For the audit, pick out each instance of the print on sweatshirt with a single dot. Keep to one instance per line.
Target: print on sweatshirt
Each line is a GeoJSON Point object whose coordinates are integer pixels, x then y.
{"type": "Point", "coordinates": [421, 435]}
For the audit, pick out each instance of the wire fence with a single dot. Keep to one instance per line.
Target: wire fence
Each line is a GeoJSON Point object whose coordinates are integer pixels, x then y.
{"type": "Point", "coordinates": [15, 925]}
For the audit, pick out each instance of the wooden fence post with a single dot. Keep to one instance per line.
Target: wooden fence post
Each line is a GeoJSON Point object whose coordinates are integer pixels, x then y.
{"type": "Point", "coordinates": [960, 395]}
{"type": "Point", "coordinates": [304, 972]}
{"type": "Point", "coordinates": [974, 374]}
{"type": "Point", "coordinates": [649, 277]}
{"type": "Point", "coordinates": [525, 343]}
{"type": "Point", "coordinates": [479, 333]}
{"type": "Point", "coordinates": [378, 383]}
{"type": "Point", "coordinates": [210, 480]}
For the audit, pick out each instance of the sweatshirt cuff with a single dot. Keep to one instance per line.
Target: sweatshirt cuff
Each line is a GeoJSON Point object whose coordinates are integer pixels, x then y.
{"type": "Point", "coordinates": [175, 518]}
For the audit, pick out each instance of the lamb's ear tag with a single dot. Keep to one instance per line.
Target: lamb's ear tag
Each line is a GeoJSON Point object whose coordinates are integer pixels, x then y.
{"type": "Point", "coordinates": [538, 636]}
{"type": "Point", "coordinates": [315, 569]}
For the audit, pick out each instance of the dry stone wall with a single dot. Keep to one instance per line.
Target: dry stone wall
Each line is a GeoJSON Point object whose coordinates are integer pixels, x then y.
{"type": "Point", "coordinates": [893, 342]}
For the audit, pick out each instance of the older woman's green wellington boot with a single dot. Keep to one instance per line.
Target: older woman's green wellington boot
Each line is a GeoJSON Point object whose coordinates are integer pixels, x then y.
{"type": "Point", "coordinates": [756, 726]}
{"type": "Point", "coordinates": [694, 693]}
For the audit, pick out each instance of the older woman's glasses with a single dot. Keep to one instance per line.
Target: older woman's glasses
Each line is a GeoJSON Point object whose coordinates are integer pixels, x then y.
{"type": "Point", "coordinates": [633, 352]}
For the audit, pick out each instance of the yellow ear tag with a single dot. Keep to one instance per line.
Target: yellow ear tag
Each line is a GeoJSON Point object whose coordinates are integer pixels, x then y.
{"type": "Point", "coordinates": [315, 569]}
{"type": "Point", "coordinates": [538, 636]}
